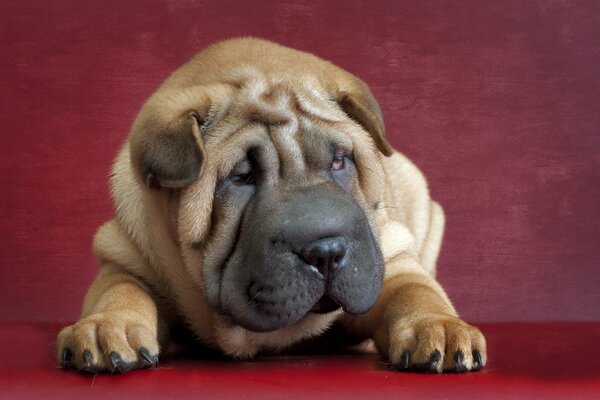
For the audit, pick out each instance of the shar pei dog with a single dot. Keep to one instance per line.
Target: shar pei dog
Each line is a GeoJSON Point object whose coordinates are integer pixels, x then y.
{"type": "Point", "coordinates": [260, 209]}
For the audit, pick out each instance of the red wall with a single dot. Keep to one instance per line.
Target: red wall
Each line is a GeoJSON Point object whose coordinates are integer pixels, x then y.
{"type": "Point", "coordinates": [498, 102]}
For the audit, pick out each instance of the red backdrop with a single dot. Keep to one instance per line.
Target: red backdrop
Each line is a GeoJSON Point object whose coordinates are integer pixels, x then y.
{"type": "Point", "coordinates": [498, 102]}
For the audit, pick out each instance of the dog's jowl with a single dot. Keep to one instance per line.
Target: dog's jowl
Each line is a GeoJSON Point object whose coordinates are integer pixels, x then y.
{"type": "Point", "coordinates": [258, 204]}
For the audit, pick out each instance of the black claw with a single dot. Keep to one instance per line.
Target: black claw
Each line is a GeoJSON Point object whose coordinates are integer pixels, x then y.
{"type": "Point", "coordinates": [118, 365]}
{"type": "Point", "coordinates": [459, 359]}
{"type": "Point", "coordinates": [477, 360]}
{"type": "Point", "coordinates": [405, 358]}
{"type": "Point", "coordinates": [148, 360]}
{"type": "Point", "coordinates": [88, 363]}
{"type": "Point", "coordinates": [436, 356]}
{"type": "Point", "coordinates": [430, 366]}
{"type": "Point", "coordinates": [434, 360]}
{"type": "Point", "coordinates": [88, 359]}
{"type": "Point", "coordinates": [66, 359]}
{"type": "Point", "coordinates": [115, 361]}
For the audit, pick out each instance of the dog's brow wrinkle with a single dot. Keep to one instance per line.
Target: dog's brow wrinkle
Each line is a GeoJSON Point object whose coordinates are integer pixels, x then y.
{"type": "Point", "coordinates": [314, 104]}
{"type": "Point", "coordinates": [288, 148]}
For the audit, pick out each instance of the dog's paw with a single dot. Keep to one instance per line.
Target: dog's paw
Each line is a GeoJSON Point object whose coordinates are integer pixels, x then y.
{"type": "Point", "coordinates": [110, 341]}
{"type": "Point", "coordinates": [436, 344]}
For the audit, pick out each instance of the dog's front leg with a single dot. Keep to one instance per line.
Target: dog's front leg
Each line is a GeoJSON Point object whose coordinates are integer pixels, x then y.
{"type": "Point", "coordinates": [118, 330]}
{"type": "Point", "coordinates": [415, 326]}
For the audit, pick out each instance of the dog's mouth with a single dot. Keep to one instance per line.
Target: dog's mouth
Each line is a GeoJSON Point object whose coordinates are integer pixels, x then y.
{"type": "Point", "coordinates": [325, 305]}
{"type": "Point", "coordinates": [285, 290]}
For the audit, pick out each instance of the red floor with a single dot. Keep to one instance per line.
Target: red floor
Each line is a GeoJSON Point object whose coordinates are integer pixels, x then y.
{"type": "Point", "coordinates": [525, 361]}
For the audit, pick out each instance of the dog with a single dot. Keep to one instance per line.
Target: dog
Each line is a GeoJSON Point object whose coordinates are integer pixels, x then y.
{"type": "Point", "coordinates": [259, 207]}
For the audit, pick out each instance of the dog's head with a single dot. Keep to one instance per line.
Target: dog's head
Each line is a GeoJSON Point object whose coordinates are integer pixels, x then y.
{"type": "Point", "coordinates": [277, 178]}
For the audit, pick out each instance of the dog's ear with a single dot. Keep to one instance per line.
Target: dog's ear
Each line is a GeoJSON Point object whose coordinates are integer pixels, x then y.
{"type": "Point", "coordinates": [357, 101]}
{"type": "Point", "coordinates": [166, 145]}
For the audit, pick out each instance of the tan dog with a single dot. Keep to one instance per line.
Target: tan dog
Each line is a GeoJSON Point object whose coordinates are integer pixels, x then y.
{"type": "Point", "coordinates": [259, 205]}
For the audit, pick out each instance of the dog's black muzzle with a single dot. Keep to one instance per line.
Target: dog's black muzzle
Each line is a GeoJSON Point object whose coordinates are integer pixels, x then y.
{"type": "Point", "coordinates": [311, 252]}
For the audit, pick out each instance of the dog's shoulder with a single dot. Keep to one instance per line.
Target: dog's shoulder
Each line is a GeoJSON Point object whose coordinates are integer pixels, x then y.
{"type": "Point", "coordinates": [407, 201]}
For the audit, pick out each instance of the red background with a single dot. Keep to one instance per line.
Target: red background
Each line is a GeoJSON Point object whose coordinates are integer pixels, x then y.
{"type": "Point", "coordinates": [498, 103]}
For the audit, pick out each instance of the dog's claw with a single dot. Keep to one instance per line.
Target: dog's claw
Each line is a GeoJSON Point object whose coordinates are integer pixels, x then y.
{"type": "Point", "coordinates": [88, 363]}
{"type": "Point", "coordinates": [87, 359]}
{"type": "Point", "coordinates": [477, 361]}
{"type": "Point", "coordinates": [405, 359]}
{"type": "Point", "coordinates": [117, 363]}
{"type": "Point", "coordinates": [115, 360]}
{"type": "Point", "coordinates": [430, 366]}
{"type": "Point", "coordinates": [459, 359]}
{"type": "Point", "coordinates": [66, 360]}
{"type": "Point", "coordinates": [434, 360]}
{"type": "Point", "coordinates": [148, 359]}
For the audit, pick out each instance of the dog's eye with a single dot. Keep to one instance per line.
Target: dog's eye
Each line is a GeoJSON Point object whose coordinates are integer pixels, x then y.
{"type": "Point", "coordinates": [242, 174]}
{"type": "Point", "coordinates": [339, 162]}
{"type": "Point", "coordinates": [243, 179]}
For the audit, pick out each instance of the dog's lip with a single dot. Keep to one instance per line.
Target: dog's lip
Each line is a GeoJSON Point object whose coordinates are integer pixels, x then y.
{"type": "Point", "coordinates": [325, 305]}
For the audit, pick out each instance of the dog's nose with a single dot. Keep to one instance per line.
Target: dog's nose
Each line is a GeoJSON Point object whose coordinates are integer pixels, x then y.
{"type": "Point", "coordinates": [326, 255]}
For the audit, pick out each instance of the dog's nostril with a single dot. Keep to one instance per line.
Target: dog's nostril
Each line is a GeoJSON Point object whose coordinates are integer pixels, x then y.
{"type": "Point", "coordinates": [325, 254]}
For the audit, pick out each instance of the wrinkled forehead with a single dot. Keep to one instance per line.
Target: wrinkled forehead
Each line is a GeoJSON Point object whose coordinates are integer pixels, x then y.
{"type": "Point", "coordinates": [286, 117]}
{"type": "Point", "coordinates": [278, 96]}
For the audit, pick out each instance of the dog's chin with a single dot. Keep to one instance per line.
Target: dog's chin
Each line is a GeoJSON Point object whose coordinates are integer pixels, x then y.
{"type": "Point", "coordinates": [261, 320]}
{"type": "Point", "coordinates": [266, 327]}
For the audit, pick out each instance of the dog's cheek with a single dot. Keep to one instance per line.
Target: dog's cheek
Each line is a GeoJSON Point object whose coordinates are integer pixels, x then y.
{"type": "Point", "coordinates": [228, 210]}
